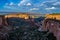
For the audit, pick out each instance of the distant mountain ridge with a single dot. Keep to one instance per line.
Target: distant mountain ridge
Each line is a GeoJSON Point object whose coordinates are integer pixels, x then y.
{"type": "Point", "coordinates": [20, 12]}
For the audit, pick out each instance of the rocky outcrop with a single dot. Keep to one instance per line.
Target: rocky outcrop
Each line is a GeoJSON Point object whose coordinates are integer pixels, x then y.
{"type": "Point", "coordinates": [3, 21]}
{"type": "Point", "coordinates": [53, 26]}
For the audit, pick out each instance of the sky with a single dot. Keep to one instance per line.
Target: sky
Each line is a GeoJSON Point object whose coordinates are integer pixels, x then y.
{"type": "Point", "coordinates": [32, 6]}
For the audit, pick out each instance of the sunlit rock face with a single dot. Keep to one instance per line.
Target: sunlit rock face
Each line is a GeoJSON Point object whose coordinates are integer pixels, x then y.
{"type": "Point", "coordinates": [2, 20]}
{"type": "Point", "coordinates": [53, 16]}
{"type": "Point", "coordinates": [24, 16]}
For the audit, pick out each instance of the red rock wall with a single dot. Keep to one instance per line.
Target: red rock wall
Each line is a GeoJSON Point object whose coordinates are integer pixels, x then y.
{"type": "Point", "coordinates": [53, 27]}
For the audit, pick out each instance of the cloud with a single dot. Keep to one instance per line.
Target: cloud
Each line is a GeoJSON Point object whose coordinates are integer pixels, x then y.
{"type": "Point", "coordinates": [22, 2]}
{"type": "Point", "coordinates": [52, 8]}
{"type": "Point", "coordinates": [46, 2]}
{"type": "Point", "coordinates": [18, 4]}
{"type": "Point", "coordinates": [28, 4]}
{"type": "Point", "coordinates": [9, 4]}
{"type": "Point", "coordinates": [34, 9]}
{"type": "Point", "coordinates": [9, 7]}
{"type": "Point", "coordinates": [56, 3]}
{"type": "Point", "coordinates": [50, 5]}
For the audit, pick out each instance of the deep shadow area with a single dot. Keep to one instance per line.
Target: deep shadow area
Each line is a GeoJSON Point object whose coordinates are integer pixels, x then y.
{"type": "Point", "coordinates": [25, 30]}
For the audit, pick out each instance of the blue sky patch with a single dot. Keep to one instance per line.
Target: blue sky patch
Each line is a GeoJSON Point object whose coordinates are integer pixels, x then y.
{"type": "Point", "coordinates": [35, 6]}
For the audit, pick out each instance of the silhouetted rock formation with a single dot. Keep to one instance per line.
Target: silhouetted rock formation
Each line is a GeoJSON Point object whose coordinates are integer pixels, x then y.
{"type": "Point", "coordinates": [53, 26]}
